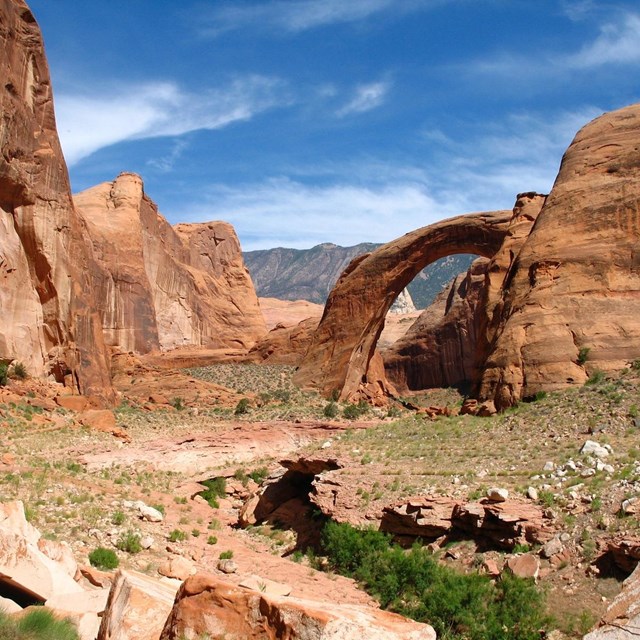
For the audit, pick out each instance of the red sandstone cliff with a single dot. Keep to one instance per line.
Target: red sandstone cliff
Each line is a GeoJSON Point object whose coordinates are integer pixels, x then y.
{"type": "Point", "coordinates": [46, 269]}
{"type": "Point", "coordinates": [166, 287]}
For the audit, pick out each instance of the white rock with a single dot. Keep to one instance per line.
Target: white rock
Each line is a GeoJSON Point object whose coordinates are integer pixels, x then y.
{"type": "Point", "coordinates": [146, 542]}
{"type": "Point", "coordinates": [149, 513]}
{"type": "Point", "coordinates": [532, 493]}
{"type": "Point", "coordinates": [549, 466]}
{"type": "Point", "coordinates": [587, 473]}
{"type": "Point", "coordinates": [496, 494]}
{"type": "Point", "coordinates": [326, 444]}
{"type": "Point", "coordinates": [590, 447]}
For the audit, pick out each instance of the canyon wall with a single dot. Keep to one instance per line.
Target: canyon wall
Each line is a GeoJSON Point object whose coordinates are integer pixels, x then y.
{"type": "Point", "coordinates": [46, 269]}
{"type": "Point", "coordinates": [165, 287]}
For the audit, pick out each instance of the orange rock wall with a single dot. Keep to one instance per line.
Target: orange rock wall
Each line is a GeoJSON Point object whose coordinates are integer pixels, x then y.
{"type": "Point", "coordinates": [46, 270]}
{"type": "Point", "coordinates": [166, 287]}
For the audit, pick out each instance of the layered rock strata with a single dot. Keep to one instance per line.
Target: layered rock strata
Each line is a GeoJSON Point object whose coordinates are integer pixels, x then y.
{"type": "Point", "coordinates": [46, 270]}
{"type": "Point", "coordinates": [166, 287]}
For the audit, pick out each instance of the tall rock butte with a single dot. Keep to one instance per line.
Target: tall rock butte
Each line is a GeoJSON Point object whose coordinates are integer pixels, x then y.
{"type": "Point", "coordinates": [165, 287]}
{"type": "Point", "coordinates": [46, 269]}
{"type": "Point", "coordinates": [575, 284]}
{"type": "Point", "coordinates": [561, 296]}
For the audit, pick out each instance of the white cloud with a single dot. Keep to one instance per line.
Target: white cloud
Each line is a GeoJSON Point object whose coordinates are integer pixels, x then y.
{"type": "Point", "coordinates": [284, 212]}
{"type": "Point", "coordinates": [618, 43]}
{"type": "Point", "coordinates": [301, 15]}
{"type": "Point", "coordinates": [380, 201]}
{"type": "Point", "coordinates": [102, 117]}
{"type": "Point", "coordinates": [366, 98]}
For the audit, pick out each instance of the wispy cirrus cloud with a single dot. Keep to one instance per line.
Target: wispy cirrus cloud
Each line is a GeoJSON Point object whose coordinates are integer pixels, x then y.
{"type": "Point", "coordinates": [618, 43]}
{"type": "Point", "coordinates": [294, 16]}
{"type": "Point", "coordinates": [367, 97]}
{"type": "Point", "coordinates": [96, 119]}
{"type": "Point", "coordinates": [373, 200]}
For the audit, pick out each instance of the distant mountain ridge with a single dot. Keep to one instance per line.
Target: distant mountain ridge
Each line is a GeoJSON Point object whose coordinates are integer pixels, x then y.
{"type": "Point", "coordinates": [309, 274]}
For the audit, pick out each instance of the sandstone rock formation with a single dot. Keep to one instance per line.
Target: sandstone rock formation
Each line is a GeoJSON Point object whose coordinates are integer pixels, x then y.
{"type": "Point", "coordinates": [576, 281]}
{"type": "Point", "coordinates": [345, 341]}
{"type": "Point", "coordinates": [166, 287]}
{"type": "Point", "coordinates": [563, 280]}
{"type": "Point", "coordinates": [46, 269]}
{"type": "Point", "coordinates": [439, 350]}
{"type": "Point", "coordinates": [206, 605]}
{"type": "Point", "coordinates": [137, 608]}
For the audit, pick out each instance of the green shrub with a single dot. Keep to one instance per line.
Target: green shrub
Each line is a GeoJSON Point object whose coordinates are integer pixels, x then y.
{"type": "Point", "coordinates": [103, 558]}
{"type": "Point", "coordinates": [352, 411]}
{"type": "Point", "coordinates": [117, 518]}
{"type": "Point", "coordinates": [36, 624]}
{"type": "Point", "coordinates": [226, 555]}
{"type": "Point", "coordinates": [459, 606]}
{"type": "Point", "coordinates": [242, 407]}
{"type": "Point", "coordinates": [583, 355]}
{"type": "Point", "coordinates": [4, 374]}
{"type": "Point", "coordinates": [331, 410]}
{"type": "Point", "coordinates": [129, 542]}
{"type": "Point", "coordinates": [195, 533]}
{"type": "Point", "coordinates": [216, 488]}
{"type": "Point", "coordinates": [178, 404]}
{"type": "Point", "coordinates": [259, 475]}
{"type": "Point", "coordinates": [636, 364]}
{"type": "Point", "coordinates": [177, 535]}
{"type": "Point", "coordinates": [212, 540]}
{"type": "Point", "coordinates": [597, 376]}
{"type": "Point", "coordinates": [20, 371]}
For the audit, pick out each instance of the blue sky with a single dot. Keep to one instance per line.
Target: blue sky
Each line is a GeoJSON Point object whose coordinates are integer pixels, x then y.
{"type": "Point", "coordinates": [307, 121]}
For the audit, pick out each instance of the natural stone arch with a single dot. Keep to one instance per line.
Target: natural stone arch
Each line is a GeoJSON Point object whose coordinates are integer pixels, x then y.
{"type": "Point", "coordinates": [341, 351]}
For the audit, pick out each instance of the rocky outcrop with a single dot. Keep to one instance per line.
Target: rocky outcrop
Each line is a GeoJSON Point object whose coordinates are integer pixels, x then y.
{"type": "Point", "coordinates": [622, 618]}
{"type": "Point", "coordinates": [439, 350]}
{"type": "Point", "coordinates": [561, 293]}
{"type": "Point", "coordinates": [575, 284]}
{"type": "Point", "coordinates": [343, 346]}
{"type": "Point", "coordinates": [166, 287]}
{"type": "Point", "coordinates": [46, 270]}
{"type": "Point", "coordinates": [137, 608]}
{"type": "Point", "coordinates": [206, 605]}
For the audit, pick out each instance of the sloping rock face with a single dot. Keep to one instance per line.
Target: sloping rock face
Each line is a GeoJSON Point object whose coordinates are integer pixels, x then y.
{"type": "Point", "coordinates": [46, 270]}
{"type": "Point", "coordinates": [576, 281]}
{"type": "Point", "coordinates": [205, 605]}
{"type": "Point", "coordinates": [343, 346]}
{"type": "Point", "coordinates": [439, 350]}
{"type": "Point", "coordinates": [166, 287]}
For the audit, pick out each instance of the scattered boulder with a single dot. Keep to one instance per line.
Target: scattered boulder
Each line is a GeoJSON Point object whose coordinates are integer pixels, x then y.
{"type": "Point", "coordinates": [496, 494]}
{"type": "Point", "coordinates": [177, 567]}
{"type": "Point", "coordinates": [525, 565]}
{"type": "Point", "coordinates": [206, 605]}
{"type": "Point", "coordinates": [137, 608]}
{"type": "Point", "coordinates": [591, 448]}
